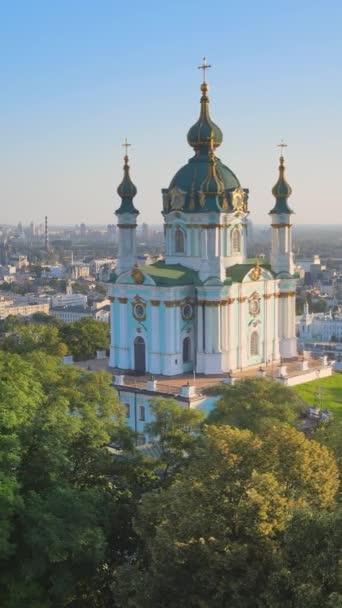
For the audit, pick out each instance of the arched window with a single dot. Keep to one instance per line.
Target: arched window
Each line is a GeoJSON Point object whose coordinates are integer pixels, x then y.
{"type": "Point", "coordinates": [179, 241]}
{"type": "Point", "coordinates": [254, 343]}
{"type": "Point", "coordinates": [186, 350]}
{"type": "Point", "coordinates": [236, 241]}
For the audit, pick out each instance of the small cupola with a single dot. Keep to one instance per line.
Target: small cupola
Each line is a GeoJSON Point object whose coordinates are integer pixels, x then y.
{"type": "Point", "coordinates": [126, 190]}
{"type": "Point", "coordinates": [281, 191]}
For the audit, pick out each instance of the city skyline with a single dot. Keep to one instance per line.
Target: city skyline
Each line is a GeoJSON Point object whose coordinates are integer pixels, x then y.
{"type": "Point", "coordinates": [77, 84]}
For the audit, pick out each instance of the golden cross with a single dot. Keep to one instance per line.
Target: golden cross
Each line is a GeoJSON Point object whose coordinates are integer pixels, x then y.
{"type": "Point", "coordinates": [126, 145]}
{"type": "Point", "coordinates": [205, 66]}
{"type": "Point", "coordinates": [282, 145]}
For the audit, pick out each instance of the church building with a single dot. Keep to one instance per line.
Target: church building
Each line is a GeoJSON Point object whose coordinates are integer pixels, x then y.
{"type": "Point", "coordinates": [206, 307]}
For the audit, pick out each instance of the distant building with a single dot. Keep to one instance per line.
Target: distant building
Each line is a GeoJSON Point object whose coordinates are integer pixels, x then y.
{"type": "Point", "coordinates": [22, 310]}
{"type": "Point", "coordinates": [320, 327]}
{"type": "Point", "coordinates": [69, 314]}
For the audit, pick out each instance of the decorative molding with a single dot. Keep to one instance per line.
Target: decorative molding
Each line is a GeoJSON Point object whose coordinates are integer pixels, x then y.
{"type": "Point", "coordinates": [281, 225]}
{"type": "Point", "coordinates": [256, 272]}
{"type": "Point", "coordinates": [137, 275]}
{"type": "Point", "coordinates": [123, 300]}
{"type": "Point", "coordinates": [127, 226]}
{"type": "Point", "coordinates": [242, 299]}
{"type": "Point", "coordinates": [286, 294]}
{"type": "Point", "coordinates": [155, 302]}
{"type": "Point", "coordinates": [267, 296]}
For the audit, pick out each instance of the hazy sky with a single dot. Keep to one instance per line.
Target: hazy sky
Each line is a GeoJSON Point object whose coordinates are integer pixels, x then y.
{"type": "Point", "coordinates": [77, 77]}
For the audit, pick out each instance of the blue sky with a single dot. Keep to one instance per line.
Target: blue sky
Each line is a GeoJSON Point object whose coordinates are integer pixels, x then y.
{"type": "Point", "coordinates": [77, 77]}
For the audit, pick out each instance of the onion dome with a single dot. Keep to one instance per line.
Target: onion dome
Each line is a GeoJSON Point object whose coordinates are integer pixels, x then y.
{"type": "Point", "coordinates": [281, 191]}
{"type": "Point", "coordinates": [204, 131]}
{"type": "Point", "coordinates": [127, 191]}
{"type": "Point", "coordinates": [204, 183]}
{"type": "Point", "coordinates": [213, 185]}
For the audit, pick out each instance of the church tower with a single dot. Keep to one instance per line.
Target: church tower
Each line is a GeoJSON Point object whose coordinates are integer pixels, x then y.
{"type": "Point", "coordinates": [283, 265]}
{"type": "Point", "coordinates": [205, 207]}
{"type": "Point", "coordinates": [281, 247]}
{"type": "Point", "coordinates": [127, 220]}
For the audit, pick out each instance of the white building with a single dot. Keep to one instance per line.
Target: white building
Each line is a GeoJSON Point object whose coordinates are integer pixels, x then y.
{"type": "Point", "coordinates": [320, 327]}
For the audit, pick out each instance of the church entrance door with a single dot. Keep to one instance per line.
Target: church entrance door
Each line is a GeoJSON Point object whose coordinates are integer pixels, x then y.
{"type": "Point", "coordinates": [139, 355]}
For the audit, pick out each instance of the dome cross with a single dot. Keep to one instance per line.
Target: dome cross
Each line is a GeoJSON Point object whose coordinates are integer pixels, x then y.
{"type": "Point", "coordinates": [126, 145]}
{"type": "Point", "coordinates": [205, 66]}
{"type": "Point", "coordinates": [282, 145]}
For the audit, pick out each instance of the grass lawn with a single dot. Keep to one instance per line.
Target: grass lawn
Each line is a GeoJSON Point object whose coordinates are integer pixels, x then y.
{"type": "Point", "coordinates": [330, 390]}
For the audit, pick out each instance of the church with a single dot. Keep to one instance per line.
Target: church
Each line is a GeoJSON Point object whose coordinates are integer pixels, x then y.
{"type": "Point", "coordinates": [206, 308]}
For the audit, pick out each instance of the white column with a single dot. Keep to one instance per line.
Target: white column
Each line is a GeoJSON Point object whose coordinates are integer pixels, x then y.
{"type": "Point", "coordinates": [155, 339]}
{"type": "Point", "coordinates": [112, 361]}
{"type": "Point", "coordinates": [242, 333]}
{"type": "Point", "coordinates": [200, 328]}
{"type": "Point", "coordinates": [123, 350]}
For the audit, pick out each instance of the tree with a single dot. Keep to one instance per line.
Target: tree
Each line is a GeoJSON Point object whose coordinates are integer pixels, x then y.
{"type": "Point", "coordinates": [28, 337]}
{"type": "Point", "coordinates": [212, 538]}
{"type": "Point", "coordinates": [85, 337]}
{"type": "Point", "coordinates": [173, 426]}
{"type": "Point", "coordinates": [101, 289]}
{"type": "Point", "coordinates": [309, 572]}
{"type": "Point", "coordinates": [63, 502]}
{"type": "Point", "coordinates": [254, 402]}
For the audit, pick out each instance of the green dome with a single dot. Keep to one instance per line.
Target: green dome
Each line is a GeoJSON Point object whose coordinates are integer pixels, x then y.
{"type": "Point", "coordinates": [204, 183]}
{"type": "Point", "coordinates": [281, 191]}
{"type": "Point", "coordinates": [127, 191]}
{"type": "Point", "coordinates": [191, 176]}
{"type": "Point", "coordinates": [204, 132]}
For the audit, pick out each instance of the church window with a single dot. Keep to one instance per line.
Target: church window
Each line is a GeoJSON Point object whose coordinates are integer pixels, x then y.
{"type": "Point", "coordinates": [186, 350]}
{"type": "Point", "coordinates": [142, 413]}
{"type": "Point", "coordinates": [254, 344]}
{"type": "Point", "coordinates": [179, 241]}
{"type": "Point", "coordinates": [187, 312]}
{"type": "Point", "coordinates": [139, 311]}
{"type": "Point", "coordinates": [236, 241]}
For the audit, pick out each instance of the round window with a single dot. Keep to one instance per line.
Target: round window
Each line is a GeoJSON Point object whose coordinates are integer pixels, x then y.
{"type": "Point", "coordinates": [187, 311]}
{"type": "Point", "coordinates": [139, 311]}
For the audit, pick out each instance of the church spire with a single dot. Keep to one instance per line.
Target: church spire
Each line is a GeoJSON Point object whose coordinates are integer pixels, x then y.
{"type": "Point", "coordinates": [126, 190]}
{"type": "Point", "coordinates": [204, 131]}
{"type": "Point", "coordinates": [281, 190]}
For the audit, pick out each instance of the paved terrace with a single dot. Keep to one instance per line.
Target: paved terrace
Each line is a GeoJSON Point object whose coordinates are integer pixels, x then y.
{"type": "Point", "coordinates": [292, 372]}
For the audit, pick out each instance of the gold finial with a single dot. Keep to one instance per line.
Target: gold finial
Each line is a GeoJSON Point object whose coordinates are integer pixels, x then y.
{"type": "Point", "coordinates": [126, 145]}
{"type": "Point", "coordinates": [205, 66]}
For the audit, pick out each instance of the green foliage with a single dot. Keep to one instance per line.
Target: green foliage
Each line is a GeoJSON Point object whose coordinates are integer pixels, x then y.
{"type": "Point", "coordinates": [27, 337]}
{"type": "Point", "coordinates": [85, 337]}
{"type": "Point", "coordinates": [213, 537]}
{"type": "Point", "coordinates": [101, 289]}
{"type": "Point", "coordinates": [80, 287]}
{"type": "Point", "coordinates": [58, 503]}
{"type": "Point", "coordinates": [309, 572]}
{"type": "Point", "coordinates": [173, 426]}
{"type": "Point", "coordinates": [254, 402]}
{"type": "Point", "coordinates": [81, 339]}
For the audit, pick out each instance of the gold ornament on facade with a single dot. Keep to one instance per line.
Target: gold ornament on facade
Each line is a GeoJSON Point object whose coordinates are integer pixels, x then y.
{"type": "Point", "coordinates": [137, 275]}
{"type": "Point", "coordinates": [238, 200]}
{"type": "Point", "coordinates": [256, 272]}
{"type": "Point", "coordinates": [254, 304]}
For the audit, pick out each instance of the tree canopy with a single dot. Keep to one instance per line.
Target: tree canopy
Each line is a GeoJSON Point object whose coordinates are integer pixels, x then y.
{"type": "Point", "coordinates": [254, 402]}
{"type": "Point", "coordinates": [213, 538]}
{"type": "Point", "coordinates": [58, 502]}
